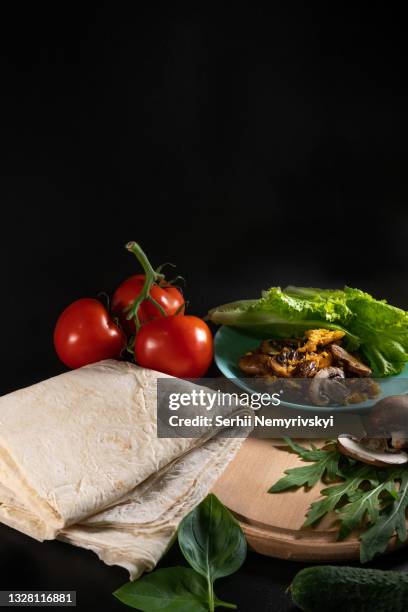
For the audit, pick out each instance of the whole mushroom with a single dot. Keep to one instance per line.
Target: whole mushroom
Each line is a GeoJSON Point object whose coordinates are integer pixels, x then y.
{"type": "Point", "coordinates": [386, 434]}
{"type": "Point", "coordinates": [328, 387]}
{"type": "Point", "coordinates": [388, 420]}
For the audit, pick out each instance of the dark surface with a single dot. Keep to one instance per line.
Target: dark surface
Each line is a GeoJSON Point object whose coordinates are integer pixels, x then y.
{"type": "Point", "coordinates": [252, 148]}
{"type": "Point", "coordinates": [259, 585]}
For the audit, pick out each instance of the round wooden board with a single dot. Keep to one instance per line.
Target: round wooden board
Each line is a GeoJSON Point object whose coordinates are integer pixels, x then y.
{"type": "Point", "coordinates": [273, 522]}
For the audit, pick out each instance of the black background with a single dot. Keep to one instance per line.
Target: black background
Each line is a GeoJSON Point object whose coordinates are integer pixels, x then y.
{"type": "Point", "coordinates": [251, 146]}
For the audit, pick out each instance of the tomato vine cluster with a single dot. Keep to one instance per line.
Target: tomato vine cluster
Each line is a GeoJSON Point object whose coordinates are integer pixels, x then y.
{"type": "Point", "coordinates": [146, 319]}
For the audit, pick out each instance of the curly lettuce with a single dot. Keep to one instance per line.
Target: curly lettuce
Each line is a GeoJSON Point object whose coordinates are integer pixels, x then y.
{"type": "Point", "coordinates": [383, 332]}
{"type": "Point", "coordinates": [377, 329]}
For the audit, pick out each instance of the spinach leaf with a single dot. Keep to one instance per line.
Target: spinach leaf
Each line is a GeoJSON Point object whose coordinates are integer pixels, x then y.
{"type": "Point", "coordinates": [212, 542]}
{"type": "Point", "coordinates": [172, 589]}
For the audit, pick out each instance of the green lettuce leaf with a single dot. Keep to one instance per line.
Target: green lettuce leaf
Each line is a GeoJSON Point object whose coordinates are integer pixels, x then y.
{"type": "Point", "coordinates": [383, 332]}
{"type": "Point", "coordinates": [377, 329]}
{"type": "Point", "coordinates": [306, 303]}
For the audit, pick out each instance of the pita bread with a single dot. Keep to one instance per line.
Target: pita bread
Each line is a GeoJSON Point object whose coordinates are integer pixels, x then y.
{"type": "Point", "coordinates": [80, 461]}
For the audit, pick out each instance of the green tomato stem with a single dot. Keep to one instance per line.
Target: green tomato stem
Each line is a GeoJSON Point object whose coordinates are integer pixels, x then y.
{"type": "Point", "coordinates": [151, 277]}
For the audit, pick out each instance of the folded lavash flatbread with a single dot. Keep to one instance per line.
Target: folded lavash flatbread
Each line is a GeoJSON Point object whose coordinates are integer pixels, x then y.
{"type": "Point", "coordinates": [80, 461]}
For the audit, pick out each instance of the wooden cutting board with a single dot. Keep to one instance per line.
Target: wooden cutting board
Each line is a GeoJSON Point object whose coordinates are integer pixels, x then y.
{"type": "Point", "coordinates": [273, 522]}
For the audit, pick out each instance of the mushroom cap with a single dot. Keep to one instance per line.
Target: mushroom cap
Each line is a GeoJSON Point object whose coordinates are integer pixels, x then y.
{"type": "Point", "coordinates": [356, 450]}
{"type": "Point", "coordinates": [387, 416]}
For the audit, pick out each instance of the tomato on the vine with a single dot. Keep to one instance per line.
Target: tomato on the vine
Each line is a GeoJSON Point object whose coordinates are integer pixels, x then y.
{"type": "Point", "coordinates": [179, 346]}
{"type": "Point", "coordinates": [85, 333]}
{"type": "Point", "coordinates": [170, 299]}
{"type": "Point", "coordinates": [147, 307]}
{"type": "Point", "coordinates": [144, 297]}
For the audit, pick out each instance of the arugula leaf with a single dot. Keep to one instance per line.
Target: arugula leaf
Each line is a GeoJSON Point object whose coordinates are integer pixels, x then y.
{"type": "Point", "coordinates": [365, 496]}
{"type": "Point", "coordinates": [391, 520]}
{"type": "Point", "coordinates": [212, 541]}
{"type": "Point", "coordinates": [325, 466]}
{"type": "Point", "coordinates": [364, 505]}
{"type": "Point", "coordinates": [309, 454]}
{"type": "Point", "coordinates": [333, 496]}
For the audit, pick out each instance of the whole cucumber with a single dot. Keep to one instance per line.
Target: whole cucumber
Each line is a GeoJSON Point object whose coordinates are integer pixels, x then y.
{"type": "Point", "coordinates": [349, 589]}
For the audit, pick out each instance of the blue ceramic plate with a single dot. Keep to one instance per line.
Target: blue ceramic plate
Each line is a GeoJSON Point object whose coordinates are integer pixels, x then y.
{"type": "Point", "coordinates": [231, 344]}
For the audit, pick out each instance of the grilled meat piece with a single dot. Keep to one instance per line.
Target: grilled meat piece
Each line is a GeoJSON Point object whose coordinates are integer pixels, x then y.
{"type": "Point", "coordinates": [320, 337]}
{"type": "Point", "coordinates": [351, 363]}
{"type": "Point", "coordinates": [323, 360]}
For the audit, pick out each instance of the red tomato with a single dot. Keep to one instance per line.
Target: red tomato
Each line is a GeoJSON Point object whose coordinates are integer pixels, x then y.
{"type": "Point", "coordinates": [180, 346]}
{"type": "Point", "coordinates": [169, 298]}
{"type": "Point", "coordinates": [85, 333]}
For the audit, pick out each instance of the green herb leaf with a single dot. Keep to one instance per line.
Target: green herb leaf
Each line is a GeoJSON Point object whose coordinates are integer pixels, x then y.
{"type": "Point", "coordinates": [367, 497]}
{"type": "Point", "coordinates": [213, 543]}
{"type": "Point", "coordinates": [325, 465]}
{"type": "Point", "coordinates": [173, 589]}
{"type": "Point", "coordinates": [307, 454]}
{"type": "Point", "coordinates": [211, 540]}
{"type": "Point", "coordinates": [391, 520]}
{"type": "Point", "coordinates": [363, 505]}
{"type": "Point", "coordinates": [334, 495]}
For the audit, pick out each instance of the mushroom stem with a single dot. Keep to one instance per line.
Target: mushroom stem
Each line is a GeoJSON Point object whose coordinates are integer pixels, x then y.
{"type": "Point", "coordinates": [398, 439]}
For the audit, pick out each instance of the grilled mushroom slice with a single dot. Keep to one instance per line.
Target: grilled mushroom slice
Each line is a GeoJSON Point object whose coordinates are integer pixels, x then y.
{"type": "Point", "coordinates": [351, 363]}
{"type": "Point", "coordinates": [306, 369]}
{"type": "Point", "coordinates": [327, 387]}
{"type": "Point", "coordinates": [255, 364]}
{"type": "Point", "coordinates": [355, 449]}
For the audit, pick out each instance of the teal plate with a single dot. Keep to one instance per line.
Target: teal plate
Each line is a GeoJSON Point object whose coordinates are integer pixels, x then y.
{"type": "Point", "coordinates": [231, 344]}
